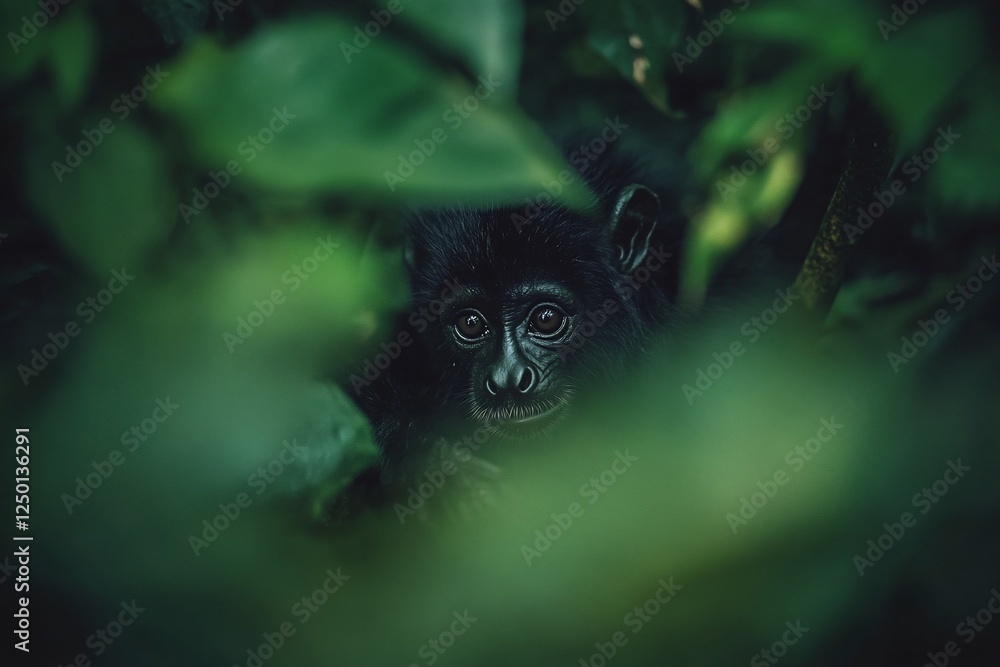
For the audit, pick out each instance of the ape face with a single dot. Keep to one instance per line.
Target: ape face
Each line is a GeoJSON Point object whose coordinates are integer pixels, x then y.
{"type": "Point", "coordinates": [523, 316]}
{"type": "Point", "coordinates": [513, 346]}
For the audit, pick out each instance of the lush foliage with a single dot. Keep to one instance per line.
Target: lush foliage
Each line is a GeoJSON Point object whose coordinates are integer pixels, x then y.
{"type": "Point", "coordinates": [246, 163]}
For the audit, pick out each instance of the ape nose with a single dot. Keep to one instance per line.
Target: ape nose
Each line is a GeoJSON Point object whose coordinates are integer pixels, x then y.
{"type": "Point", "coordinates": [522, 380]}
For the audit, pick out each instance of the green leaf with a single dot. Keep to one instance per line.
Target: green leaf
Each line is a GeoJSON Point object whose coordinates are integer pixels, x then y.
{"type": "Point", "coordinates": [915, 74]}
{"type": "Point", "coordinates": [72, 55]}
{"type": "Point", "coordinates": [910, 69]}
{"type": "Point", "coordinates": [115, 205]}
{"type": "Point", "coordinates": [339, 443]}
{"type": "Point", "coordinates": [841, 34]}
{"type": "Point", "coordinates": [66, 41]}
{"type": "Point", "coordinates": [763, 113]}
{"type": "Point", "coordinates": [301, 109]}
{"type": "Point", "coordinates": [967, 173]}
{"type": "Point", "coordinates": [637, 37]}
{"type": "Point", "coordinates": [486, 33]}
{"type": "Point", "coordinates": [27, 47]}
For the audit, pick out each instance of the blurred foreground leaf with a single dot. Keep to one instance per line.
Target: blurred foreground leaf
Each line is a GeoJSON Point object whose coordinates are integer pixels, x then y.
{"type": "Point", "coordinates": [486, 32]}
{"type": "Point", "coordinates": [110, 205]}
{"type": "Point", "coordinates": [300, 114]}
{"type": "Point", "coordinates": [662, 481]}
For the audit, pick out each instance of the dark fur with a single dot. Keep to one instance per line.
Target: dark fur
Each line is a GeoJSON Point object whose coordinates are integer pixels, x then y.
{"type": "Point", "coordinates": [427, 393]}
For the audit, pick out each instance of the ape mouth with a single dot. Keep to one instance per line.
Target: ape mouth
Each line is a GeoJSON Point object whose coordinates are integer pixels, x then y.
{"type": "Point", "coordinates": [537, 418]}
{"type": "Point", "coordinates": [526, 422]}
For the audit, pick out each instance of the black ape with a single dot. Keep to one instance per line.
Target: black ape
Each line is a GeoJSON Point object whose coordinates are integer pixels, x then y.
{"type": "Point", "coordinates": [512, 314]}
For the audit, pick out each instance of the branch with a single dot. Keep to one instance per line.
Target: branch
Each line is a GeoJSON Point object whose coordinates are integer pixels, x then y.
{"type": "Point", "coordinates": [869, 157]}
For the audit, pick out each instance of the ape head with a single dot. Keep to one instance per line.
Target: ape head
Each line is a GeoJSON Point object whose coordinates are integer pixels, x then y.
{"type": "Point", "coordinates": [517, 313]}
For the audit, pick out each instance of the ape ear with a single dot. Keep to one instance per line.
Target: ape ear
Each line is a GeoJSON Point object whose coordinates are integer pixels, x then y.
{"type": "Point", "coordinates": [633, 219]}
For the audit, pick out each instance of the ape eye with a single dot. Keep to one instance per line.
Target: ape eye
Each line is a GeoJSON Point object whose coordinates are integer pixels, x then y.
{"type": "Point", "coordinates": [547, 320]}
{"type": "Point", "coordinates": [470, 325]}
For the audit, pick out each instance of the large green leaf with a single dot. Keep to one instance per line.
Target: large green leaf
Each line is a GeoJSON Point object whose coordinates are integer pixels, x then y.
{"type": "Point", "coordinates": [840, 34]}
{"type": "Point", "coordinates": [915, 74]}
{"type": "Point", "coordinates": [486, 33]}
{"type": "Point", "coordinates": [384, 124]}
{"type": "Point", "coordinates": [106, 193]}
{"type": "Point", "coordinates": [910, 65]}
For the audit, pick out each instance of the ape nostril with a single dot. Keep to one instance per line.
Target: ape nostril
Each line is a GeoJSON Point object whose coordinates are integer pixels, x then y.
{"type": "Point", "coordinates": [527, 381]}
{"type": "Point", "coordinates": [490, 387]}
